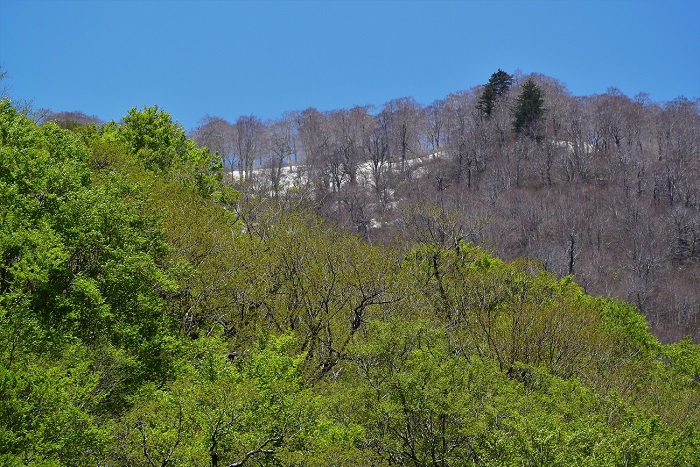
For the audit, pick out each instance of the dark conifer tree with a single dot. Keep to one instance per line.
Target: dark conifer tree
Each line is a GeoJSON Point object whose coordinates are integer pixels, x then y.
{"type": "Point", "coordinates": [499, 83]}
{"type": "Point", "coordinates": [529, 109]}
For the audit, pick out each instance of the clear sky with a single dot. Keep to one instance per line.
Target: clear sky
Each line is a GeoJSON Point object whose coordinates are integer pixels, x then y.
{"type": "Point", "coordinates": [232, 58]}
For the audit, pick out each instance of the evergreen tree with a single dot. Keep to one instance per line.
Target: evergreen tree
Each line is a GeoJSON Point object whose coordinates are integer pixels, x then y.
{"type": "Point", "coordinates": [529, 109]}
{"type": "Point", "coordinates": [499, 83]}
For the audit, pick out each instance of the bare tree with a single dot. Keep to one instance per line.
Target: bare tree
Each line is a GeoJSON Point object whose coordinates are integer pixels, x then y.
{"type": "Point", "coordinates": [248, 144]}
{"type": "Point", "coordinates": [467, 137]}
{"type": "Point", "coordinates": [608, 191]}
{"type": "Point", "coordinates": [379, 158]}
{"type": "Point", "coordinates": [4, 87]}
{"type": "Point", "coordinates": [282, 144]}
{"type": "Point", "coordinates": [351, 132]}
{"type": "Point", "coordinates": [73, 119]}
{"type": "Point", "coordinates": [437, 122]}
{"type": "Point", "coordinates": [218, 135]}
{"type": "Point", "coordinates": [404, 120]}
{"type": "Point", "coordinates": [314, 139]}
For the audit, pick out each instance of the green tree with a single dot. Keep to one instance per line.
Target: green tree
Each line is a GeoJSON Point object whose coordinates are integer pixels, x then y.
{"type": "Point", "coordinates": [529, 110]}
{"type": "Point", "coordinates": [422, 405]}
{"type": "Point", "coordinates": [227, 409]}
{"type": "Point", "coordinates": [47, 412]}
{"type": "Point", "coordinates": [77, 260]}
{"type": "Point", "coordinates": [498, 85]}
{"type": "Point", "coordinates": [325, 285]}
{"type": "Point", "coordinates": [161, 145]}
{"type": "Point", "coordinates": [512, 312]}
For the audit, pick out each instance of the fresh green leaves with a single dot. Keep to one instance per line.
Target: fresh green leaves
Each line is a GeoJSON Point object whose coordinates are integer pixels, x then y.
{"type": "Point", "coordinates": [225, 408]}
{"type": "Point", "coordinates": [45, 412]}
{"type": "Point", "coordinates": [81, 273]}
{"type": "Point", "coordinates": [161, 145]}
{"type": "Point", "coordinates": [423, 405]}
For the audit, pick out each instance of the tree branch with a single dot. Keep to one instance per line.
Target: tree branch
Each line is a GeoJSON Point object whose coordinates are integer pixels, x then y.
{"type": "Point", "coordinates": [259, 450]}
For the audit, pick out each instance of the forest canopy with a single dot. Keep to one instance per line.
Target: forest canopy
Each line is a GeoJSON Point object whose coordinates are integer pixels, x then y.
{"type": "Point", "coordinates": [353, 288]}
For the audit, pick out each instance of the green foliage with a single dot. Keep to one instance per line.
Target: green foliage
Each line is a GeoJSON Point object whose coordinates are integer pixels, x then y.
{"type": "Point", "coordinates": [87, 259]}
{"type": "Point", "coordinates": [45, 412]}
{"type": "Point", "coordinates": [423, 405]}
{"type": "Point", "coordinates": [208, 257]}
{"type": "Point", "coordinates": [629, 322]}
{"type": "Point", "coordinates": [78, 262]}
{"type": "Point", "coordinates": [227, 409]}
{"type": "Point", "coordinates": [684, 358]}
{"type": "Point", "coordinates": [161, 145]}
{"type": "Point", "coordinates": [512, 312]}
{"type": "Point", "coordinates": [515, 313]}
{"type": "Point", "coordinates": [405, 388]}
{"type": "Point", "coordinates": [152, 136]}
{"type": "Point", "coordinates": [283, 271]}
{"type": "Point", "coordinates": [324, 285]}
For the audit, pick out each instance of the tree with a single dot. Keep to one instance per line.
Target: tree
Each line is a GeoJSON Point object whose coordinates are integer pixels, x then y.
{"type": "Point", "coordinates": [157, 141]}
{"type": "Point", "coordinates": [81, 258]}
{"type": "Point", "coordinates": [315, 142]}
{"type": "Point", "coordinates": [323, 285]}
{"type": "Point", "coordinates": [463, 134]}
{"type": "Point", "coordinates": [217, 134]}
{"type": "Point", "coordinates": [72, 120]}
{"type": "Point", "coordinates": [437, 121]}
{"type": "Point", "coordinates": [161, 146]}
{"type": "Point", "coordinates": [227, 409]}
{"type": "Point", "coordinates": [421, 404]}
{"type": "Point", "coordinates": [248, 143]}
{"type": "Point", "coordinates": [152, 136]}
{"type": "Point", "coordinates": [529, 110]}
{"type": "Point", "coordinates": [282, 142]}
{"type": "Point", "coordinates": [499, 84]}
{"type": "Point", "coordinates": [46, 411]}
{"type": "Point", "coordinates": [82, 280]}
{"type": "Point", "coordinates": [4, 87]}
{"type": "Point", "coordinates": [379, 159]}
{"type": "Point", "coordinates": [404, 120]}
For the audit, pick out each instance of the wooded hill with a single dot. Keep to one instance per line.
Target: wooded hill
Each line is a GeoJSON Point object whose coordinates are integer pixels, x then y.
{"type": "Point", "coordinates": [151, 314]}
{"type": "Point", "coordinates": [604, 188]}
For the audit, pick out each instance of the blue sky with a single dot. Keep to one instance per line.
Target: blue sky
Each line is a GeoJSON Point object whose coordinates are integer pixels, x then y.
{"type": "Point", "coordinates": [232, 58]}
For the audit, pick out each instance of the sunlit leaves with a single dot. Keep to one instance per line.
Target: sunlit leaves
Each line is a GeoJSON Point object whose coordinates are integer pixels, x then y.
{"type": "Point", "coordinates": [45, 413]}
{"type": "Point", "coordinates": [161, 145]}
{"type": "Point", "coordinates": [420, 403]}
{"type": "Point", "coordinates": [224, 409]}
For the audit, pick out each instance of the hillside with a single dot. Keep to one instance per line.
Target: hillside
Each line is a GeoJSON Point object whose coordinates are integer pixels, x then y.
{"type": "Point", "coordinates": [152, 315]}
{"type": "Point", "coordinates": [605, 188]}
